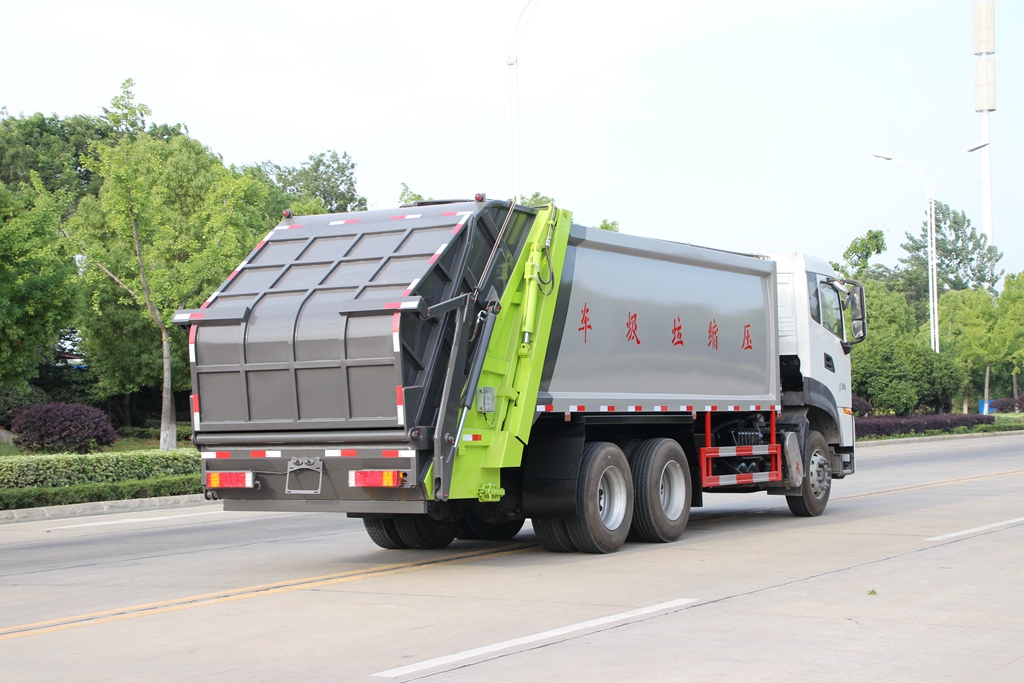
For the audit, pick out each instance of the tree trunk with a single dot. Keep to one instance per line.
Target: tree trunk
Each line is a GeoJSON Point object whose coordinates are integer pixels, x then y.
{"type": "Point", "coordinates": [967, 397]}
{"type": "Point", "coordinates": [168, 431]}
{"type": "Point", "coordinates": [1015, 394]}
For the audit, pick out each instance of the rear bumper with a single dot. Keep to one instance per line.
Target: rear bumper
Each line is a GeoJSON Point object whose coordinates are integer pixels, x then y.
{"type": "Point", "coordinates": [319, 479]}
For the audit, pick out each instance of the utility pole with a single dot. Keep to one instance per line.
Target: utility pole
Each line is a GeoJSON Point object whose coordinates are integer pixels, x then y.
{"type": "Point", "coordinates": [985, 97]}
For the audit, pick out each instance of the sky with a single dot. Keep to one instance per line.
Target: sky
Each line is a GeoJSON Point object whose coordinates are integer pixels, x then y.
{"type": "Point", "coordinates": [743, 124]}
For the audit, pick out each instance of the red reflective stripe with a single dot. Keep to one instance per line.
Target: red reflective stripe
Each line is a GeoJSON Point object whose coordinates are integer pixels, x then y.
{"type": "Point", "coordinates": [195, 403]}
{"type": "Point", "coordinates": [196, 316]}
{"type": "Point", "coordinates": [392, 305]}
{"type": "Point", "coordinates": [348, 453]}
{"type": "Point", "coordinates": [257, 454]}
{"type": "Point", "coordinates": [450, 213]}
{"type": "Point", "coordinates": [398, 396]}
{"type": "Point", "coordinates": [396, 320]}
{"type": "Point", "coordinates": [192, 334]}
{"type": "Point", "coordinates": [744, 478]}
{"type": "Point", "coordinates": [711, 481]}
{"type": "Point", "coordinates": [204, 304]}
{"type": "Point", "coordinates": [223, 454]}
{"type": "Point", "coordinates": [389, 454]}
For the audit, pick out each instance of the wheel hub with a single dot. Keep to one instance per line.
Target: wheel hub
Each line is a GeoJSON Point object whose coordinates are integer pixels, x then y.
{"type": "Point", "coordinates": [819, 474]}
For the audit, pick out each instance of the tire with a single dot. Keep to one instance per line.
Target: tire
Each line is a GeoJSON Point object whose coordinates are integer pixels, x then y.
{"type": "Point", "coordinates": [383, 533]}
{"type": "Point", "coordinates": [494, 532]}
{"type": "Point", "coordinates": [661, 490]}
{"type": "Point", "coordinates": [604, 500]}
{"type": "Point", "coordinates": [553, 535]}
{"type": "Point", "coordinates": [817, 483]}
{"type": "Point", "coordinates": [423, 533]}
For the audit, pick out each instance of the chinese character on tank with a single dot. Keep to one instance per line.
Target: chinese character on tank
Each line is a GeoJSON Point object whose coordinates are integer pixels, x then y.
{"type": "Point", "coordinates": [631, 325]}
{"type": "Point", "coordinates": [677, 331]}
{"type": "Point", "coordinates": [585, 325]}
{"type": "Point", "coordinates": [713, 334]}
{"type": "Point", "coordinates": [748, 343]}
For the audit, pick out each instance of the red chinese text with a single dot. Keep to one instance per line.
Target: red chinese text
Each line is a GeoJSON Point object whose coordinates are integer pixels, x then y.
{"type": "Point", "coordinates": [631, 328]}
{"type": "Point", "coordinates": [677, 331]}
{"type": "Point", "coordinates": [748, 343]}
{"type": "Point", "coordinates": [713, 334]}
{"type": "Point", "coordinates": [585, 325]}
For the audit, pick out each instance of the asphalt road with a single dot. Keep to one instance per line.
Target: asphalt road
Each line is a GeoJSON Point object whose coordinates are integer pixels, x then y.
{"type": "Point", "coordinates": [914, 573]}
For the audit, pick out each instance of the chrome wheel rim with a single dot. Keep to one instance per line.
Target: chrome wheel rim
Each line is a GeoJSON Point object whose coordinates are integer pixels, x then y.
{"type": "Point", "coordinates": [672, 489]}
{"type": "Point", "coordinates": [611, 498]}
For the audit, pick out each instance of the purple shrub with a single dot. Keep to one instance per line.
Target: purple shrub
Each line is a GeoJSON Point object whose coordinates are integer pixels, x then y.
{"type": "Point", "coordinates": [1008, 405]}
{"type": "Point", "coordinates": [860, 406]}
{"type": "Point", "coordinates": [62, 427]}
{"type": "Point", "coordinates": [888, 425]}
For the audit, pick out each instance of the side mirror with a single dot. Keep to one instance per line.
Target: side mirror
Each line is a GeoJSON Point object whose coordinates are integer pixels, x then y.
{"type": "Point", "coordinates": [858, 316]}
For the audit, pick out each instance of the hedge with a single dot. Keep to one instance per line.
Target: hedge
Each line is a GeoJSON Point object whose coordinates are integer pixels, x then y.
{"type": "Point", "coordinates": [184, 430]}
{"type": "Point", "coordinates": [48, 471]}
{"type": "Point", "coordinates": [39, 496]}
{"type": "Point", "coordinates": [919, 424]}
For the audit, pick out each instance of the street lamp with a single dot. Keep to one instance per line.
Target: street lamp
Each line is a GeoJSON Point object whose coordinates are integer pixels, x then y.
{"type": "Point", "coordinates": [513, 85]}
{"type": "Point", "coordinates": [929, 189]}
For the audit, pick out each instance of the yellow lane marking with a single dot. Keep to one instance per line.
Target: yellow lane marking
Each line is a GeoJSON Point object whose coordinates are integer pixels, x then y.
{"type": "Point", "coordinates": [927, 485]}
{"type": "Point", "coordinates": [108, 616]}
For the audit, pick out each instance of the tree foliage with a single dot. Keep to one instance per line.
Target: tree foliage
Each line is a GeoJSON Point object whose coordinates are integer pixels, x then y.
{"type": "Point", "coordinates": [964, 258]}
{"type": "Point", "coordinates": [36, 277]}
{"type": "Point", "coordinates": [325, 183]}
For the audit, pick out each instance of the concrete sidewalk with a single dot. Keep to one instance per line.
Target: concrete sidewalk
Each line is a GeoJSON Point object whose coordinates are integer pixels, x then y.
{"type": "Point", "coordinates": [103, 508]}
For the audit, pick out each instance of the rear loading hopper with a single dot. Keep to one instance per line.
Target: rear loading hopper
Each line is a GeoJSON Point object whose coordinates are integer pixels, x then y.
{"type": "Point", "coordinates": [329, 350]}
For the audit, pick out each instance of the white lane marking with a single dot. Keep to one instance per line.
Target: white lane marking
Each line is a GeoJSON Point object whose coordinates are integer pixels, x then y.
{"type": "Point", "coordinates": [526, 640]}
{"type": "Point", "coordinates": [976, 529]}
{"type": "Point", "coordinates": [134, 521]}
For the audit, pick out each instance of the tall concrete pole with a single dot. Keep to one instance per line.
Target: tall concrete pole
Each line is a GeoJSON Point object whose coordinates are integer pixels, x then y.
{"type": "Point", "coordinates": [985, 97]}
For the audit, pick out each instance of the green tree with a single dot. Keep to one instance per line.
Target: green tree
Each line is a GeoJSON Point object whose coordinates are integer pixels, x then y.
{"type": "Point", "coordinates": [326, 183]}
{"type": "Point", "coordinates": [36, 278]}
{"type": "Point", "coordinates": [169, 223]}
{"type": "Point", "coordinates": [967, 324]}
{"type": "Point", "coordinates": [1009, 326]}
{"type": "Point", "coordinates": [407, 196]}
{"type": "Point", "coordinates": [965, 259]}
{"type": "Point", "coordinates": [51, 147]}
{"type": "Point", "coordinates": [610, 226]}
{"type": "Point", "coordinates": [858, 255]}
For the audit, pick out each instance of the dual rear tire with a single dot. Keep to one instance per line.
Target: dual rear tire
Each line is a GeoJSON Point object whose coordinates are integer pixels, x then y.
{"type": "Point", "coordinates": [652, 499]}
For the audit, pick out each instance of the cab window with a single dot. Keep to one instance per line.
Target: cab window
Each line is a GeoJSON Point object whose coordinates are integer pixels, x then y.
{"type": "Point", "coordinates": [831, 310]}
{"type": "Point", "coordinates": [812, 290]}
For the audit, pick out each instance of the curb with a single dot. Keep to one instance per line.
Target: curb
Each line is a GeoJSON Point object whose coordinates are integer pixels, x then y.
{"type": "Point", "coordinates": [940, 437]}
{"type": "Point", "coordinates": [102, 508]}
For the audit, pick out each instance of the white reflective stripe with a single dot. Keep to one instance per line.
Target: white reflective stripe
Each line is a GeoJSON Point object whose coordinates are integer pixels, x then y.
{"type": "Point", "coordinates": [273, 454]}
{"type": "Point", "coordinates": [195, 421]}
{"type": "Point", "coordinates": [406, 454]}
{"type": "Point", "coordinates": [710, 409]}
{"type": "Point", "coordinates": [332, 453]}
{"type": "Point", "coordinates": [634, 409]}
{"type": "Point", "coordinates": [730, 451]}
{"type": "Point", "coordinates": [732, 479]}
{"type": "Point", "coordinates": [269, 235]}
{"type": "Point", "coordinates": [209, 455]}
{"type": "Point", "coordinates": [401, 415]}
{"type": "Point", "coordinates": [180, 316]}
{"type": "Point", "coordinates": [414, 215]}
{"type": "Point", "coordinates": [575, 409]}
{"type": "Point", "coordinates": [686, 409]}
{"type": "Point", "coordinates": [409, 304]}
{"type": "Point", "coordinates": [607, 409]}
{"type": "Point", "coordinates": [192, 353]}
{"type": "Point", "coordinates": [395, 343]}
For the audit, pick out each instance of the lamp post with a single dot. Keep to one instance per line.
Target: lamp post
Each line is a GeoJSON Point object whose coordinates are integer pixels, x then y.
{"type": "Point", "coordinates": [513, 85]}
{"type": "Point", "coordinates": [929, 189]}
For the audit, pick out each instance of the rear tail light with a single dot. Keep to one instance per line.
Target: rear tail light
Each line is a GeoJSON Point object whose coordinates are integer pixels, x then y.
{"type": "Point", "coordinates": [229, 480]}
{"type": "Point", "coordinates": [376, 478]}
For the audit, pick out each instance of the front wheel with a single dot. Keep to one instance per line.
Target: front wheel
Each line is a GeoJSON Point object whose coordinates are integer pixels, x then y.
{"type": "Point", "coordinates": [817, 482]}
{"type": "Point", "coordinates": [604, 500]}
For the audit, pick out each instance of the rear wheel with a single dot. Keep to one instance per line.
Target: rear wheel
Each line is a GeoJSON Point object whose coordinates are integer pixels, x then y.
{"type": "Point", "coordinates": [604, 500]}
{"type": "Point", "coordinates": [383, 533]}
{"type": "Point", "coordinates": [553, 535]}
{"type": "Point", "coordinates": [661, 488]}
{"type": "Point", "coordinates": [817, 483]}
{"type": "Point", "coordinates": [423, 533]}
{"type": "Point", "coordinates": [494, 532]}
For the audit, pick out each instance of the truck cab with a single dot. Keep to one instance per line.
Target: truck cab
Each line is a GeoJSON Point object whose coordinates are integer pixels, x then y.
{"type": "Point", "coordinates": [821, 316]}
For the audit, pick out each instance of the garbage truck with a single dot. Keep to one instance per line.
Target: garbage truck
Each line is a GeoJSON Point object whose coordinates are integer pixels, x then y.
{"type": "Point", "coordinates": [451, 369]}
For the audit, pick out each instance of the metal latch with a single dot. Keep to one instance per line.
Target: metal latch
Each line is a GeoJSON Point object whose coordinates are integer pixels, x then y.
{"type": "Point", "coordinates": [305, 471]}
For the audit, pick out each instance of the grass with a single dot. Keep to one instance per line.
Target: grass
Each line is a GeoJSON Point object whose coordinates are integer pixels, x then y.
{"type": "Point", "coordinates": [124, 444]}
